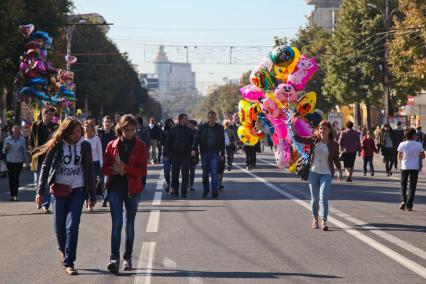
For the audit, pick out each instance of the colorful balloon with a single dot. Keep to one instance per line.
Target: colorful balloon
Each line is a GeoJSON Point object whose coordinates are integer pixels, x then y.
{"type": "Point", "coordinates": [285, 94]}
{"type": "Point", "coordinates": [270, 107]}
{"type": "Point", "coordinates": [305, 68]}
{"type": "Point", "coordinates": [302, 127]}
{"type": "Point", "coordinates": [70, 59]}
{"type": "Point", "coordinates": [315, 118]}
{"type": "Point", "coordinates": [247, 135]}
{"type": "Point", "coordinates": [252, 93]}
{"type": "Point", "coordinates": [306, 104]}
{"type": "Point", "coordinates": [283, 154]}
{"type": "Point", "coordinates": [282, 72]}
{"type": "Point", "coordinates": [247, 112]}
{"type": "Point", "coordinates": [262, 78]}
{"type": "Point", "coordinates": [280, 127]}
{"type": "Point", "coordinates": [282, 55]}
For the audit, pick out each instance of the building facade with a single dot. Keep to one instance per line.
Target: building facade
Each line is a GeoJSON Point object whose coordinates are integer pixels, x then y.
{"type": "Point", "coordinates": [324, 13]}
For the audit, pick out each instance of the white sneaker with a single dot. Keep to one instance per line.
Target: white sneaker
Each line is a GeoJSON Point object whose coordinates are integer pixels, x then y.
{"type": "Point", "coordinates": [127, 265]}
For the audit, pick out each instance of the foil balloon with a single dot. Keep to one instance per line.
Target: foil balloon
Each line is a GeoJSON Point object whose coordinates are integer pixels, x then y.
{"type": "Point", "coordinates": [26, 30]}
{"type": "Point", "coordinates": [285, 93]}
{"type": "Point", "coordinates": [246, 112]}
{"type": "Point", "coordinates": [304, 70]}
{"type": "Point", "coordinates": [283, 154]}
{"type": "Point", "coordinates": [280, 127]}
{"type": "Point", "coordinates": [37, 81]}
{"type": "Point", "coordinates": [292, 169]}
{"type": "Point", "coordinates": [38, 66]}
{"type": "Point", "coordinates": [306, 104]}
{"type": "Point", "coordinates": [282, 72]}
{"type": "Point", "coordinates": [252, 93]}
{"type": "Point", "coordinates": [270, 107]}
{"type": "Point", "coordinates": [302, 127]}
{"type": "Point", "coordinates": [247, 135]}
{"type": "Point", "coordinates": [262, 78]}
{"type": "Point", "coordinates": [282, 55]}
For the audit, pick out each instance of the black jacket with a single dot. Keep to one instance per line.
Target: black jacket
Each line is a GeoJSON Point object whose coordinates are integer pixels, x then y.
{"type": "Point", "coordinates": [164, 142]}
{"type": "Point", "coordinates": [106, 138]}
{"type": "Point", "coordinates": [155, 132]}
{"type": "Point", "coordinates": [202, 136]}
{"type": "Point", "coordinates": [179, 142]}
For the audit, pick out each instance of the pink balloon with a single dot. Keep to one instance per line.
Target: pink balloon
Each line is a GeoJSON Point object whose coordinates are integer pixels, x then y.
{"type": "Point", "coordinates": [286, 93]}
{"type": "Point", "coordinates": [280, 127]}
{"type": "Point", "coordinates": [303, 128]}
{"type": "Point", "coordinates": [252, 93]}
{"type": "Point", "coordinates": [283, 154]}
{"type": "Point", "coordinates": [39, 67]}
{"type": "Point", "coordinates": [23, 66]}
{"type": "Point", "coordinates": [70, 59]}
{"type": "Point", "coordinates": [270, 108]}
{"type": "Point", "coordinates": [305, 68]}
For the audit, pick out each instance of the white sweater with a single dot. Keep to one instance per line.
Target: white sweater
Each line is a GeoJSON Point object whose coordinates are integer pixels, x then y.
{"type": "Point", "coordinates": [97, 153]}
{"type": "Point", "coordinates": [71, 169]}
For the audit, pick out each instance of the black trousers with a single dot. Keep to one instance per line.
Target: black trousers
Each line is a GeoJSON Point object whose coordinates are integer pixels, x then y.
{"type": "Point", "coordinates": [250, 155]}
{"type": "Point", "coordinates": [180, 165]}
{"type": "Point", "coordinates": [413, 175]}
{"type": "Point", "coordinates": [368, 161]}
{"type": "Point", "coordinates": [230, 150]}
{"type": "Point", "coordinates": [14, 172]}
{"type": "Point", "coordinates": [389, 156]}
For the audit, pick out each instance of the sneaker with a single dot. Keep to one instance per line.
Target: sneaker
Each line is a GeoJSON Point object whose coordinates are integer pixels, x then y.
{"type": "Point", "coordinates": [372, 174]}
{"type": "Point", "coordinates": [167, 189]}
{"type": "Point", "coordinates": [12, 199]}
{"type": "Point", "coordinates": [127, 265]}
{"type": "Point", "coordinates": [390, 172]}
{"type": "Point", "coordinates": [247, 168]}
{"type": "Point", "coordinates": [215, 195]}
{"type": "Point", "coordinates": [70, 270]}
{"type": "Point", "coordinates": [409, 208]}
{"type": "Point", "coordinates": [348, 179]}
{"type": "Point", "coordinates": [402, 206]}
{"type": "Point", "coordinates": [113, 266]}
{"type": "Point", "coordinates": [229, 168]}
{"type": "Point", "coordinates": [46, 210]}
{"type": "Point", "coordinates": [105, 204]}
{"type": "Point", "coordinates": [364, 174]}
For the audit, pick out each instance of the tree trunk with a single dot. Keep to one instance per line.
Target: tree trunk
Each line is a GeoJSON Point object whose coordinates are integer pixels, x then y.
{"type": "Point", "coordinates": [357, 115]}
{"type": "Point", "coordinates": [368, 116]}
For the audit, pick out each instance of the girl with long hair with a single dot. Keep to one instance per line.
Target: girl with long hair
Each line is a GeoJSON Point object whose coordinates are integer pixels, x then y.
{"type": "Point", "coordinates": [325, 156]}
{"type": "Point", "coordinates": [68, 170]}
{"type": "Point", "coordinates": [125, 166]}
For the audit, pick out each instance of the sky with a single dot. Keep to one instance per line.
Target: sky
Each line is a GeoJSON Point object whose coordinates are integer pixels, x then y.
{"type": "Point", "coordinates": [208, 28]}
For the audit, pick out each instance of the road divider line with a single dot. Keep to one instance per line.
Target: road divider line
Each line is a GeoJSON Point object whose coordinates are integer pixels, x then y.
{"type": "Point", "coordinates": [160, 184]}
{"type": "Point", "coordinates": [157, 198]}
{"type": "Point", "coordinates": [411, 265]}
{"type": "Point", "coordinates": [146, 259]}
{"type": "Point", "coordinates": [153, 221]}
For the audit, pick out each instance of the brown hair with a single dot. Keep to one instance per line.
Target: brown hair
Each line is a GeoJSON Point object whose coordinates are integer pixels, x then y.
{"type": "Point", "coordinates": [328, 125]}
{"type": "Point", "coordinates": [124, 121]}
{"type": "Point", "coordinates": [64, 131]}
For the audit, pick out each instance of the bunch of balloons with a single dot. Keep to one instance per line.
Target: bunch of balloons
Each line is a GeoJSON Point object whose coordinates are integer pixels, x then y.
{"type": "Point", "coordinates": [38, 81]}
{"type": "Point", "coordinates": [276, 101]}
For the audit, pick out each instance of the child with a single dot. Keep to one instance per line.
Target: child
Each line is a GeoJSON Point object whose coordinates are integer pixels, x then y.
{"type": "Point", "coordinates": [368, 148]}
{"type": "Point", "coordinates": [410, 153]}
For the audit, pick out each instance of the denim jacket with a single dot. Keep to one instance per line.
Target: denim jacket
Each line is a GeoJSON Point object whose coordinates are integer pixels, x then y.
{"type": "Point", "coordinates": [18, 150]}
{"type": "Point", "coordinates": [52, 163]}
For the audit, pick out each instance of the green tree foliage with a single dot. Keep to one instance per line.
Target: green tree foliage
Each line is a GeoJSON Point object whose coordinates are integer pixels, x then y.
{"type": "Point", "coordinates": [181, 104]}
{"type": "Point", "coordinates": [107, 80]}
{"type": "Point", "coordinates": [354, 69]}
{"type": "Point", "coordinates": [407, 49]}
{"type": "Point", "coordinates": [313, 42]}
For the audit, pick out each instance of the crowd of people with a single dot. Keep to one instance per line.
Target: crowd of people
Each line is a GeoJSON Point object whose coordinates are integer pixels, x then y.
{"type": "Point", "coordinates": [81, 162]}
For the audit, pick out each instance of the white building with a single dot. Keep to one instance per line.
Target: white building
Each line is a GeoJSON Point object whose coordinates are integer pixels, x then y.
{"type": "Point", "coordinates": [324, 14]}
{"type": "Point", "coordinates": [174, 79]}
{"type": "Point", "coordinates": [416, 110]}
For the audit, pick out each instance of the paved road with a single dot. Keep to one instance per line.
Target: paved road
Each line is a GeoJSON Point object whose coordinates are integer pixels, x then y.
{"type": "Point", "coordinates": [258, 231]}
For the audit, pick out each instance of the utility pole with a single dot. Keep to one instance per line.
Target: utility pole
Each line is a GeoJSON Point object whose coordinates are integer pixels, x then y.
{"type": "Point", "coordinates": [385, 65]}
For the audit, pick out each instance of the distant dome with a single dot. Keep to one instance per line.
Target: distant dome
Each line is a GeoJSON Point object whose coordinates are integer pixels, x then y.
{"type": "Point", "coordinates": [161, 55]}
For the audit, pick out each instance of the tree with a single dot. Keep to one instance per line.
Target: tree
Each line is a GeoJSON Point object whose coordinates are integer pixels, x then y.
{"type": "Point", "coordinates": [407, 49]}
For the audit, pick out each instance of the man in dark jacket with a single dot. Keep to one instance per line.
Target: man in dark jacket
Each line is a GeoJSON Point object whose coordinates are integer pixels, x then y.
{"type": "Point", "coordinates": [179, 142]}
{"type": "Point", "coordinates": [40, 133]}
{"type": "Point", "coordinates": [155, 134]}
{"type": "Point", "coordinates": [211, 140]}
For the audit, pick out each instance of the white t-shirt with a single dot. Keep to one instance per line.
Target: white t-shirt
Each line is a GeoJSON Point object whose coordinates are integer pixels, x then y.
{"type": "Point", "coordinates": [411, 154]}
{"type": "Point", "coordinates": [320, 163]}
{"type": "Point", "coordinates": [96, 144]}
{"type": "Point", "coordinates": [70, 171]}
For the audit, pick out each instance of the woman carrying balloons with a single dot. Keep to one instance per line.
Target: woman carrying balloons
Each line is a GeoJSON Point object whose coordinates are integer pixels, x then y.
{"type": "Point", "coordinates": [324, 159]}
{"type": "Point", "coordinates": [68, 169]}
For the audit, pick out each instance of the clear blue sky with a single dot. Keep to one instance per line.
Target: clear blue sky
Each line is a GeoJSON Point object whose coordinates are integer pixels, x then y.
{"type": "Point", "coordinates": [141, 25]}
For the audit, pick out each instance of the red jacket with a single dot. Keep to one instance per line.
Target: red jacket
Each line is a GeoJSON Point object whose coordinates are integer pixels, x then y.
{"type": "Point", "coordinates": [368, 147]}
{"type": "Point", "coordinates": [135, 168]}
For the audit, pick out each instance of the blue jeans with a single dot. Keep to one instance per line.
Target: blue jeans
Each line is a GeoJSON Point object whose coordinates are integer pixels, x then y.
{"type": "Point", "coordinates": [167, 167]}
{"type": "Point", "coordinates": [116, 200]}
{"type": "Point", "coordinates": [192, 175]}
{"type": "Point", "coordinates": [319, 184]}
{"type": "Point", "coordinates": [210, 165]}
{"type": "Point", "coordinates": [46, 196]}
{"type": "Point", "coordinates": [66, 218]}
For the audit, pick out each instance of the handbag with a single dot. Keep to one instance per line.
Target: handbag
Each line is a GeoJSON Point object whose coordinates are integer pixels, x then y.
{"type": "Point", "coordinates": [60, 190]}
{"type": "Point", "coordinates": [303, 165]}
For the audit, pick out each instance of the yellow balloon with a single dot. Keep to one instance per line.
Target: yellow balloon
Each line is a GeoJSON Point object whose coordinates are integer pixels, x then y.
{"type": "Point", "coordinates": [306, 104]}
{"type": "Point", "coordinates": [282, 72]}
{"type": "Point", "coordinates": [292, 168]}
{"type": "Point", "coordinates": [247, 135]}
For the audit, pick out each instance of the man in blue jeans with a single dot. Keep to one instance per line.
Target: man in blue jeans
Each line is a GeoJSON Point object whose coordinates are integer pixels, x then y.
{"type": "Point", "coordinates": [211, 140]}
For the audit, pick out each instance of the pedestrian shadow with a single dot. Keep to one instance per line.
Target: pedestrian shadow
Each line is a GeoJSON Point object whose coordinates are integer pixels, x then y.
{"type": "Point", "coordinates": [100, 212]}
{"type": "Point", "coordinates": [93, 271]}
{"type": "Point", "coordinates": [395, 227]}
{"type": "Point", "coordinates": [22, 214]}
{"type": "Point", "coordinates": [236, 274]}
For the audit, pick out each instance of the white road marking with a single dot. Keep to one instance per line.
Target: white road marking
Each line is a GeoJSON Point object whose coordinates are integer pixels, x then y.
{"type": "Point", "coordinates": [411, 265]}
{"type": "Point", "coordinates": [153, 221]}
{"type": "Point", "coordinates": [157, 198]}
{"type": "Point", "coordinates": [160, 184]}
{"type": "Point", "coordinates": [146, 259]}
{"type": "Point", "coordinates": [194, 279]}
{"type": "Point", "coordinates": [169, 263]}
